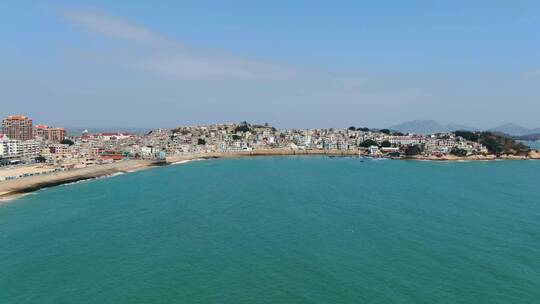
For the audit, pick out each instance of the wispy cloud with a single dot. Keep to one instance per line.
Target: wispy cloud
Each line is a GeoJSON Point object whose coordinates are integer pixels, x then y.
{"type": "Point", "coordinates": [114, 27]}
{"type": "Point", "coordinates": [186, 73]}
{"type": "Point", "coordinates": [170, 57]}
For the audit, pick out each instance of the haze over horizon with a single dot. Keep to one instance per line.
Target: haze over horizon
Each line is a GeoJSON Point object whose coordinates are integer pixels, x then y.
{"type": "Point", "coordinates": [293, 65]}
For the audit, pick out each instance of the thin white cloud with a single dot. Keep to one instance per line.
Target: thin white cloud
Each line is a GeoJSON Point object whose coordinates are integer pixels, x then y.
{"type": "Point", "coordinates": [113, 27]}
{"type": "Point", "coordinates": [169, 57]}
{"type": "Point", "coordinates": [188, 66]}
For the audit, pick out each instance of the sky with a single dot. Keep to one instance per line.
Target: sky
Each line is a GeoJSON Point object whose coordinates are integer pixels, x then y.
{"type": "Point", "coordinates": [293, 64]}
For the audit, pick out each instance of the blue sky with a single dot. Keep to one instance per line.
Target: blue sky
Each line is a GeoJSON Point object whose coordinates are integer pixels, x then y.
{"type": "Point", "coordinates": [288, 63]}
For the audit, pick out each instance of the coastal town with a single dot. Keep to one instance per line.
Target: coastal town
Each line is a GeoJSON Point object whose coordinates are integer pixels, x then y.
{"type": "Point", "coordinates": [36, 150]}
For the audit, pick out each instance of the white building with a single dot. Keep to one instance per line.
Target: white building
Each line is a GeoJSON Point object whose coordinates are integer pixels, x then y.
{"type": "Point", "coordinates": [374, 150]}
{"type": "Point", "coordinates": [10, 148]}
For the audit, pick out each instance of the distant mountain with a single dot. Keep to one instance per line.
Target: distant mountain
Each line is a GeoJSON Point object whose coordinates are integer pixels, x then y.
{"type": "Point", "coordinates": [457, 127]}
{"type": "Point", "coordinates": [514, 129]}
{"type": "Point", "coordinates": [531, 137]}
{"type": "Point", "coordinates": [428, 127]}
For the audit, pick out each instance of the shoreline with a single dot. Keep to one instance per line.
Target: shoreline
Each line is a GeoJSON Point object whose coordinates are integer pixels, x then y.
{"type": "Point", "coordinates": [14, 188]}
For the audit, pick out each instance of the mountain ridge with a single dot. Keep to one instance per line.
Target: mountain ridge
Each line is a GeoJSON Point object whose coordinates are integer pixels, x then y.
{"type": "Point", "coordinates": [429, 127]}
{"type": "Point", "coordinates": [432, 126]}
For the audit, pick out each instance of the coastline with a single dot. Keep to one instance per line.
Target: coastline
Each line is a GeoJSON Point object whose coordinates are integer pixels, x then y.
{"type": "Point", "coordinates": [13, 188]}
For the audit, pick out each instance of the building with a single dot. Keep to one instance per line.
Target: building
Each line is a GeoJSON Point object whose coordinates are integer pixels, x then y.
{"type": "Point", "coordinates": [16, 149]}
{"type": "Point", "coordinates": [4, 147]}
{"type": "Point", "coordinates": [49, 134]}
{"type": "Point", "coordinates": [374, 150]}
{"type": "Point", "coordinates": [18, 127]}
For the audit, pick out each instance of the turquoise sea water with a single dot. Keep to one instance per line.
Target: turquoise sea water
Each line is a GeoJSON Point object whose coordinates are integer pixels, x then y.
{"type": "Point", "coordinates": [533, 144]}
{"type": "Point", "coordinates": [280, 230]}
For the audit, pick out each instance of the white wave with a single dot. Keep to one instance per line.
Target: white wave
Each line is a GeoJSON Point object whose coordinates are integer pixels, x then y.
{"type": "Point", "coordinates": [93, 178]}
{"type": "Point", "coordinates": [186, 161]}
{"type": "Point", "coordinates": [13, 197]}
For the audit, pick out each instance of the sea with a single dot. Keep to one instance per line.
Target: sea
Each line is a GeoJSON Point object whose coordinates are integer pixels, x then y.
{"type": "Point", "coordinates": [280, 230]}
{"type": "Point", "coordinates": [533, 144]}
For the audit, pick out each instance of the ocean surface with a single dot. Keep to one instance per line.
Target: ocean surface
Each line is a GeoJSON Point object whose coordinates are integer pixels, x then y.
{"type": "Point", "coordinates": [533, 144]}
{"type": "Point", "coordinates": [280, 230]}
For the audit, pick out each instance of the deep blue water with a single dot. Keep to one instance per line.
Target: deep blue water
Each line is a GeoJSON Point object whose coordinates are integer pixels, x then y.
{"type": "Point", "coordinates": [280, 230]}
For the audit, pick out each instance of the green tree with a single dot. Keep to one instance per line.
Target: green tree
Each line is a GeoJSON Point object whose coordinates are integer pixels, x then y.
{"type": "Point", "coordinates": [40, 159]}
{"type": "Point", "coordinates": [201, 141]}
{"type": "Point", "coordinates": [458, 152]}
{"type": "Point", "coordinates": [363, 129]}
{"type": "Point", "coordinates": [243, 127]}
{"type": "Point", "coordinates": [502, 144]}
{"type": "Point", "coordinates": [386, 144]}
{"type": "Point", "coordinates": [236, 137]}
{"type": "Point", "coordinates": [368, 143]}
{"type": "Point", "coordinates": [351, 128]}
{"type": "Point", "coordinates": [493, 146]}
{"type": "Point", "coordinates": [413, 150]}
{"type": "Point", "coordinates": [67, 141]}
{"type": "Point", "coordinates": [385, 131]}
{"type": "Point", "coordinates": [467, 135]}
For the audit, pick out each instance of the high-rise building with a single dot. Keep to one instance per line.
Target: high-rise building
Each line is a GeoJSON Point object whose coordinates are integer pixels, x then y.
{"type": "Point", "coordinates": [41, 131]}
{"type": "Point", "coordinates": [57, 134]}
{"type": "Point", "coordinates": [18, 127]}
{"type": "Point", "coordinates": [50, 134]}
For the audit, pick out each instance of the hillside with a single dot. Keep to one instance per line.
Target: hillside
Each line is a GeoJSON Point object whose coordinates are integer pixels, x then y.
{"type": "Point", "coordinates": [496, 143]}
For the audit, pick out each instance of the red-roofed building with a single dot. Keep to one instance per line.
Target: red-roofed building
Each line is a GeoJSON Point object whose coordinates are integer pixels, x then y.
{"type": "Point", "coordinates": [18, 127]}
{"type": "Point", "coordinates": [112, 157]}
{"type": "Point", "coordinates": [50, 134]}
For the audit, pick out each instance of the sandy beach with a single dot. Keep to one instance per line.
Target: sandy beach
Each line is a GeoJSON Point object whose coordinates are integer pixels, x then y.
{"type": "Point", "coordinates": [11, 188]}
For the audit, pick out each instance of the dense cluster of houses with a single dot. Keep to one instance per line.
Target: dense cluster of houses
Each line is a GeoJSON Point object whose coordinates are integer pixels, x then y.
{"type": "Point", "coordinates": [90, 149]}
{"type": "Point", "coordinates": [245, 137]}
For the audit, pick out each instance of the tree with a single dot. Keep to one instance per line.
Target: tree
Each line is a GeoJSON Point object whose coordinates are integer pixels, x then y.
{"type": "Point", "coordinates": [241, 128]}
{"type": "Point", "coordinates": [385, 131]}
{"type": "Point", "coordinates": [467, 135]}
{"type": "Point", "coordinates": [398, 134]}
{"type": "Point", "coordinates": [458, 152]}
{"type": "Point", "coordinates": [67, 141]}
{"type": "Point", "coordinates": [236, 137]}
{"type": "Point", "coordinates": [502, 144]}
{"type": "Point", "coordinates": [386, 144]}
{"type": "Point", "coordinates": [413, 150]}
{"type": "Point", "coordinates": [362, 129]}
{"type": "Point", "coordinates": [201, 141]}
{"type": "Point", "coordinates": [40, 159]}
{"type": "Point", "coordinates": [351, 128]}
{"type": "Point", "coordinates": [368, 143]}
